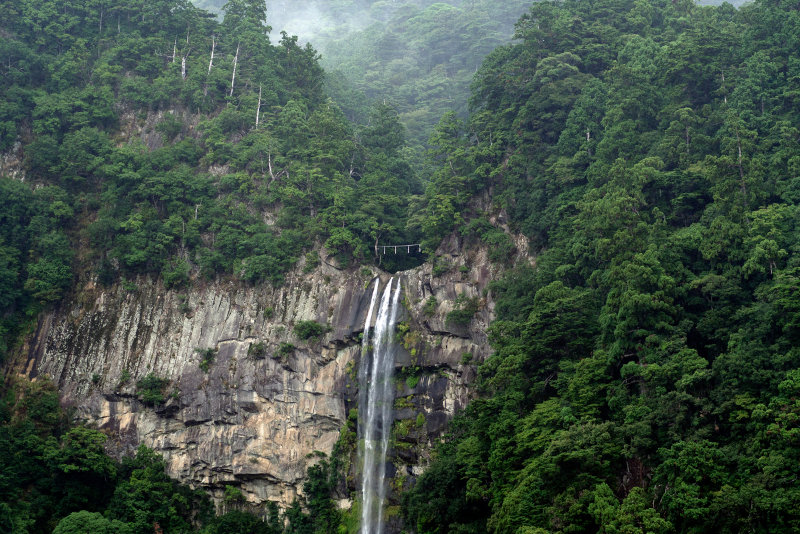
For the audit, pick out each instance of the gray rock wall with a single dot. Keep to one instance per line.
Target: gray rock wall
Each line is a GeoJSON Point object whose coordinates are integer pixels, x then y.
{"type": "Point", "coordinates": [256, 417]}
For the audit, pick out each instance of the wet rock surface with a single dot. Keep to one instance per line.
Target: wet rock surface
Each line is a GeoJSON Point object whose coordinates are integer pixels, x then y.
{"type": "Point", "coordinates": [255, 413]}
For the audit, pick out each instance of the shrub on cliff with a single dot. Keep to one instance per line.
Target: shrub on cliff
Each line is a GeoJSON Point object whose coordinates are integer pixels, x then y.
{"type": "Point", "coordinates": [84, 522]}
{"type": "Point", "coordinates": [151, 389]}
{"type": "Point", "coordinates": [207, 358]}
{"type": "Point", "coordinates": [310, 329]}
{"type": "Point", "coordinates": [464, 311]}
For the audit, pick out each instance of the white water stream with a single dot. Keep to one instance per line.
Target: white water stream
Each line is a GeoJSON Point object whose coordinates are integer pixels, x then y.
{"type": "Point", "coordinates": [376, 398]}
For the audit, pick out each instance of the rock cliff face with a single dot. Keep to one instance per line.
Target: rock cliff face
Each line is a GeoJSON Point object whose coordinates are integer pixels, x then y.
{"type": "Point", "coordinates": [246, 401]}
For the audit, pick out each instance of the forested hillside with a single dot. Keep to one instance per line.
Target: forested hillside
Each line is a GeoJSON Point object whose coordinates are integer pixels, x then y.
{"type": "Point", "coordinates": [154, 139]}
{"type": "Point", "coordinates": [56, 478]}
{"type": "Point", "coordinates": [249, 162]}
{"type": "Point", "coordinates": [646, 369]}
{"type": "Point", "coordinates": [418, 56]}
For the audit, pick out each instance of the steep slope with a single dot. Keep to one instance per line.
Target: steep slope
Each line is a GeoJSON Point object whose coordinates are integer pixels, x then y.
{"type": "Point", "coordinates": [156, 140]}
{"type": "Point", "coordinates": [418, 56]}
{"type": "Point", "coordinates": [644, 374]}
{"type": "Point", "coordinates": [156, 158]}
{"type": "Point", "coordinates": [265, 401]}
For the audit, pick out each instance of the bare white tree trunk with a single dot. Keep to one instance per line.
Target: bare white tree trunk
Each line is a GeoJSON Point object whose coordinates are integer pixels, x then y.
{"type": "Point", "coordinates": [213, 45]}
{"type": "Point", "coordinates": [210, 64]}
{"type": "Point", "coordinates": [174, 49]}
{"type": "Point", "coordinates": [183, 67]}
{"type": "Point", "coordinates": [272, 175]}
{"type": "Point", "coordinates": [725, 96]}
{"type": "Point", "coordinates": [269, 163]}
{"type": "Point", "coordinates": [258, 109]}
{"type": "Point", "coordinates": [235, 61]}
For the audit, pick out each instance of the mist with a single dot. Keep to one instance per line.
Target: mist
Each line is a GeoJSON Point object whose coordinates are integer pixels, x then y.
{"type": "Point", "coordinates": [416, 56]}
{"type": "Point", "coordinates": [312, 21]}
{"type": "Point", "coordinates": [315, 21]}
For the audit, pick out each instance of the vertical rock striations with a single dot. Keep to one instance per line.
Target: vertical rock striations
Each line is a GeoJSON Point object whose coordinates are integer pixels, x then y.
{"type": "Point", "coordinates": [248, 402]}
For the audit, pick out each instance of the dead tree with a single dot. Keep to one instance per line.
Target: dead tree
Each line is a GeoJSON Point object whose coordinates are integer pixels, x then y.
{"type": "Point", "coordinates": [235, 61]}
{"type": "Point", "coordinates": [211, 61]}
{"type": "Point", "coordinates": [258, 108]}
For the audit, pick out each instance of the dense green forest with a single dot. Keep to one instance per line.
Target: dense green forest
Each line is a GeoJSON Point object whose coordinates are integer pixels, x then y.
{"type": "Point", "coordinates": [646, 371]}
{"type": "Point", "coordinates": [646, 367]}
{"type": "Point", "coordinates": [418, 56]}
{"type": "Point", "coordinates": [250, 165]}
{"type": "Point", "coordinates": [158, 140]}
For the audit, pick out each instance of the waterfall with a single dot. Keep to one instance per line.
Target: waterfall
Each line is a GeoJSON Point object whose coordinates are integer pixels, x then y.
{"type": "Point", "coordinates": [376, 399]}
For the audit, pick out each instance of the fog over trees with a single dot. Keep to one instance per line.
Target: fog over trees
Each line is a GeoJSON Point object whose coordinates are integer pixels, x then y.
{"type": "Point", "coordinates": [630, 169]}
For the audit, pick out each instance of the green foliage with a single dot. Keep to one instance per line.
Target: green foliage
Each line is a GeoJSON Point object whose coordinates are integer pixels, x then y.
{"type": "Point", "coordinates": [238, 522]}
{"type": "Point", "coordinates": [206, 357]}
{"type": "Point", "coordinates": [82, 453]}
{"type": "Point", "coordinates": [175, 274]}
{"type": "Point", "coordinates": [429, 308]}
{"type": "Point", "coordinates": [257, 350]}
{"type": "Point", "coordinates": [132, 209]}
{"type": "Point", "coordinates": [284, 350]}
{"type": "Point", "coordinates": [124, 378]}
{"type": "Point", "coordinates": [233, 494]}
{"type": "Point", "coordinates": [312, 261]}
{"type": "Point", "coordinates": [36, 257]}
{"type": "Point", "coordinates": [448, 40]}
{"type": "Point", "coordinates": [322, 517]}
{"type": "Point", "coordinates": [96, 199]}
{"type": "Point", "coordinates": [306, 330]}
{"type": "Point", "coordinates": [420, 420]}
{"type": "Point", "coordinates": [169, 127]}
{"type": "Point", "coordinates": [84, 522]}
{"type": "Point", "coordinates": [146, 495]}
{"type": "Point", "coordinates": [412, 381]}
{"type": "Point", "coordinates": [500, 246]}
{"type": "Point", "coordinates": [644, 371]}
{"type": "Point", "coordinates": [58, 479]}
{"type": "Point", "coordinates": [54, 478]}
{"type": "Point", "coordinates": [440, 266]}
{"type": "Point", "coordinates": [640, 370]}
{"type": "Point", "coordinates": [151, 389]}
{"type": "Point", "coordinates": [464, 310]}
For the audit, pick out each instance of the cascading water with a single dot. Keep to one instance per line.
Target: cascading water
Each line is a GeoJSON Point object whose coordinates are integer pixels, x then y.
{"type": "Point", "coordinates": [376, 397]}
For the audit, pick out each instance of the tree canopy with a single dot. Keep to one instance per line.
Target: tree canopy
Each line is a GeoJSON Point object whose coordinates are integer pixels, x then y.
{"type": "Point", "coordinates": [642, 372]}
{"type": "Point", "coordinates": [645, 368]}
